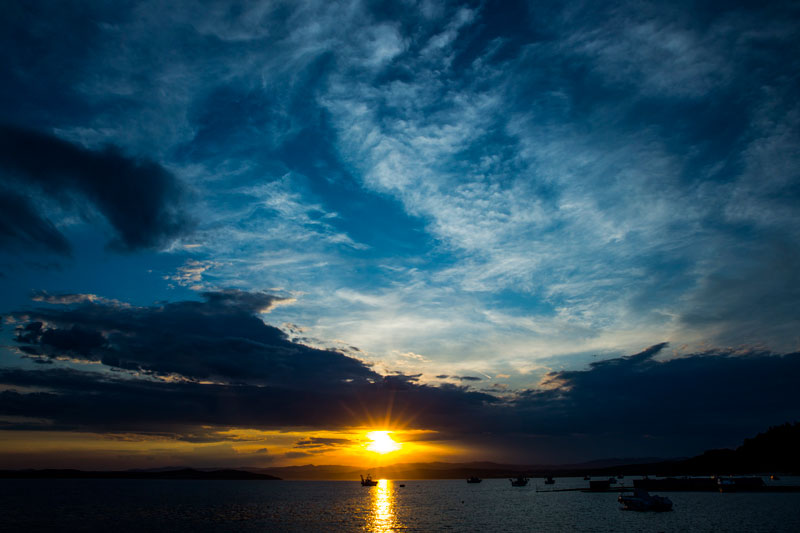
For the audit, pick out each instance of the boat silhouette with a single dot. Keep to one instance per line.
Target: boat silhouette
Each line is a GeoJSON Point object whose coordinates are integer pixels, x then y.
{"type": "Point", "coordinates": [641, 500]}
{"type": "Point", "coordinates": [368, 481]}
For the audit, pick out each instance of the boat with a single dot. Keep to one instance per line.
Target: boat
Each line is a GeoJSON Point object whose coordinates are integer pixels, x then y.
{"type": "Point", "coordinates": [474, 479]}
{"type": "Point", "coordinates": [739, 484]}
{"type": "Point", "coordinates": [612, 480]}
{"type": "Point", "coordinates": [774, 477]}
{"type": "Point", "coordinates": [641, 500]}
{"type": "Point", "coordinates": [620, 476]}
{"type": "Point", "coordinates": [549, 480]}
{"type": "Point", "coordinates": [599, 485]}
{"type": "Point", "coordinates": [587, 478]}
{"type": "Point", "coordinates": [368, 481]}
{"type": "Point", "coordinates": [521, 481]}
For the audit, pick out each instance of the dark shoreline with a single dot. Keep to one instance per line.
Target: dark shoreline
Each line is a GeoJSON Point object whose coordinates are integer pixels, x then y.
{"type": "Point", "coordinates": [186, 473]}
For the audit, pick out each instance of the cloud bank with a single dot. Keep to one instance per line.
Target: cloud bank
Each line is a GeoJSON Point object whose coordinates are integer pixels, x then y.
{"type": "Point", "coordinates": [182, 366]}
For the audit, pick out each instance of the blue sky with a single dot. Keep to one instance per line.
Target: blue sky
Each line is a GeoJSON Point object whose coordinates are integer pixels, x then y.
{"type": "Point", "coordinates": [489, 189]}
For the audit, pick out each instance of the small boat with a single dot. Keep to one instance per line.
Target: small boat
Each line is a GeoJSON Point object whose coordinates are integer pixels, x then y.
{"type": "Point", "coordinates": [521, 481]}
{"type": "Point", "coordinates": [599, 485]}
{"type": "Point", "coordinates": [738, 484]}
{"type": "Point", "coordinates": [474, 479]}
{"type": "Point", "coordinates": [549, 480]}
{"type": "Point", "coordinates": [774, 477]}
{"type": "Point", "coordinates": [612, 480]}
{"type": "Point", "coordinates": [587, 478]}
{"type": "Point", "coordinates": [641, 500]}
{"type": "Point", "coordinates": [620, 476]}
{"type": "Point", "coordinates": [368, 481]}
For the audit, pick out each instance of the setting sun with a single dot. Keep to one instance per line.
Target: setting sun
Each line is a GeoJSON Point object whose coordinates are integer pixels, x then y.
{"type": "Point", "coordinates": [382, 442]}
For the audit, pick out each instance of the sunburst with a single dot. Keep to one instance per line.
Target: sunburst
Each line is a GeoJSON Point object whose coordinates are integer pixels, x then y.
{"type": "Point", "coordinates": [382, 442]}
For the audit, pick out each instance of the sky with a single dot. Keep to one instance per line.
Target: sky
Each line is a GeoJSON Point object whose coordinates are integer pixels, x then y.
{"type": "Point", "coordinates": [249, 233]}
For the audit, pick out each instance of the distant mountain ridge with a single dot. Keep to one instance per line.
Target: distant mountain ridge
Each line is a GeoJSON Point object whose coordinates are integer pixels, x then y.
{"type": "Point", "coordinates": [441, 470]}
{"type": "Point", "coordinates": [775, 450]}
{"type": "Point", "coordinates": [182, 473]}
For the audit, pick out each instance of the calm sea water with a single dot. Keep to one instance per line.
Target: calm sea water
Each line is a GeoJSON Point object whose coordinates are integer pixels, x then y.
{"type": "Point", "coordinates": [309, 506]}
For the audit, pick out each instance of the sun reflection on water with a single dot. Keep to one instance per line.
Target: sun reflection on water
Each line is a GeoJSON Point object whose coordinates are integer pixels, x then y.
{"type": "Point", "coordinates": [383, 513]}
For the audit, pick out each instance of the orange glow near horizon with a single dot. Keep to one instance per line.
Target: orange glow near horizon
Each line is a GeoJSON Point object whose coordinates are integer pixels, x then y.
{"type": "Point", "coordinates": [366, 447]}
{"type": "Point", "coordinates": [383, 435]}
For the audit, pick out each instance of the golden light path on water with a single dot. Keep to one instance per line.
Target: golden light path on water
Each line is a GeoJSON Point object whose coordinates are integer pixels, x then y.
{"type": "Point", "coordinates": [383, 502]}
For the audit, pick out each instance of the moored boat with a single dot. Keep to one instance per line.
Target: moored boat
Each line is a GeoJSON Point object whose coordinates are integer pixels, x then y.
{"type": "Point", "coordinates": [521, 481]}
{"type": "Point", "coordinates": [549, 480]}
{"type": "Point", "coordinates": [368, 481]}
{"type": "Point", "coordinates": [474, 479]}
{"type": "Point", "coordinates": [641, 500]}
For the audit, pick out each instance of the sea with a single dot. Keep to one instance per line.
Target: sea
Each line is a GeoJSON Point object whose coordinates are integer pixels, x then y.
{"type": "Point", "coordinates": [413, 505]}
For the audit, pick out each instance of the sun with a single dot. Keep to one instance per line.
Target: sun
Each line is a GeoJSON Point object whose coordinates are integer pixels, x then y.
{"type": "Point", "coordinates": [382, 442]}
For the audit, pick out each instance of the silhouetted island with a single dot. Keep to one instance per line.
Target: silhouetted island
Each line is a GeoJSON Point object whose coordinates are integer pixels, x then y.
{"type": "Point", "coordinates": [775, 450]}
{"type": "Point", "coordinates": [184, 473]}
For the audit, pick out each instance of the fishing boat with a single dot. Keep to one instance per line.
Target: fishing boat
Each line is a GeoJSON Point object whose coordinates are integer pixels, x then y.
{"type": "Point", "coordinates": [521, 481]}
{"type": "Point", "coordinates": [474, 479]}
{"type": "Point", "coordinates": [368, 481]}
{"type": "Point", "coordinates": [641, 500]}
{"type": "Point", "coordinates": [549, 480]}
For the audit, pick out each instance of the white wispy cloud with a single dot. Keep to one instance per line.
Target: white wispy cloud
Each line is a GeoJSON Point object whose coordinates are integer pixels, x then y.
{"type": "Point", "coordinates": [191, 274]}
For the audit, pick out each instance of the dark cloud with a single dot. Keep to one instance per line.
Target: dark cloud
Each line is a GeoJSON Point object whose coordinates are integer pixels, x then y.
{"type": "Point", "coordinates": [103, 402]}
{"type": "Point", "coordinates": [240, 301]}
{"type": "Point", "coordinates": [227, 368]}
{"type": "Point", "coordinates": [140, 199]}
{"type": "Point", "coordinates": [715, 393]}
{"type": "Point", "coordinates": [23, 228]}
{"type": "Point", "coordinates": [224, 367]}
{"type": "Point", "coordinates": [460, 378]}
{"type": "Point", "coordinates": [219, 339]}
{"type": "Point", "coordinates": [322, 442]}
